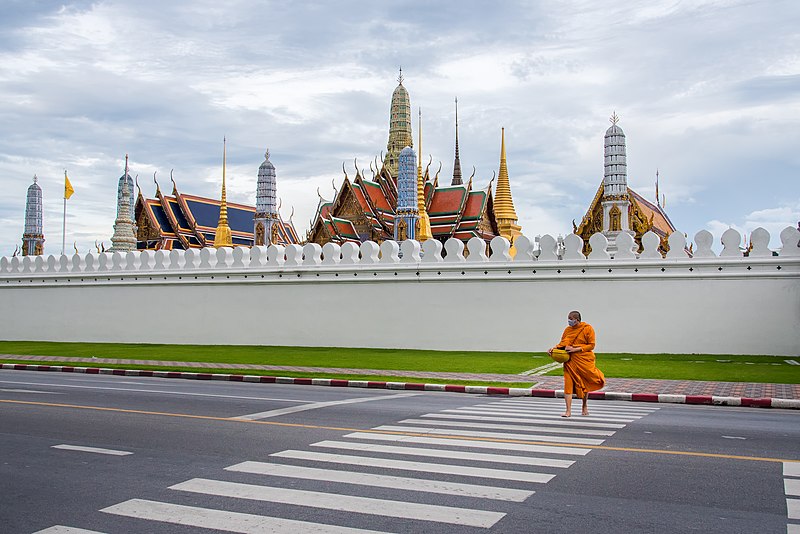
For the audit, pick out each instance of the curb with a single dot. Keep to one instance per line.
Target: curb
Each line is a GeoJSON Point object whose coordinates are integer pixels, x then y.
{"type": "Point", "coordinates": [767, 402]}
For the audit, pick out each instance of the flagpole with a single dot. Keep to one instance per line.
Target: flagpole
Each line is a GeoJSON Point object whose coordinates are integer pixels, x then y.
{"type": "Point", "coordinates": [64, 221]}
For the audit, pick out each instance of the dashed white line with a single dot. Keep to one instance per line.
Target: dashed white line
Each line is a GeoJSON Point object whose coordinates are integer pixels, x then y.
{"type": "Point", "coordinates": [317, 405]}
{"type": "Point", "coordinates": [61, 529]}
{"type": "Point", "coordinates": [97, 450]}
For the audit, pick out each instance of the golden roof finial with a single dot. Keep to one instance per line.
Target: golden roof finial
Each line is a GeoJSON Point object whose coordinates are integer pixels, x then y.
{"type": "Point", "coordinates": [425, 232]}
{"type": "Point", "coordinates": [222, 237]}
{"type": "Point", "coordinates": [503, 202]}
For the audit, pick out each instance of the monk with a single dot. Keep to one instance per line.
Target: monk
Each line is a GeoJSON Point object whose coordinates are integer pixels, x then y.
{"type": "Point", "coordinates": [580, 374]}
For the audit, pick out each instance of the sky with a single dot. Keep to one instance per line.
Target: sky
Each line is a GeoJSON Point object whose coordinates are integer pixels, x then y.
{"type": "Point", "coordinates": [708, 94]}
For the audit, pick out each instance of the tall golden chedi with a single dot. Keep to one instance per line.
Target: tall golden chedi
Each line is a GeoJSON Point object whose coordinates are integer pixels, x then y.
{"type": "Point", "coordinates": [424, 233]}
{"type": "Point", "coordinates": [400, 135]}
{"type": "Point", "coordinates": [222, 237]}
{"type": "Point", "coordinates": [503, 202]}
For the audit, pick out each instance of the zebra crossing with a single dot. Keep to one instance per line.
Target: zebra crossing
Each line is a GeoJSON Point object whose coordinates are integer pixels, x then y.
{"type": "Point", "coordinates": [456, 468]}
{"type": "Point", "coordinates": [791, 487]}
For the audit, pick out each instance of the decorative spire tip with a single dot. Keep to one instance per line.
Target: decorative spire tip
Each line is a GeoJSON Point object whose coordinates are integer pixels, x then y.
{"type": "Point", "coordinates": [400, 77]}
{"type": "Point", "coordinates": [614, 119]}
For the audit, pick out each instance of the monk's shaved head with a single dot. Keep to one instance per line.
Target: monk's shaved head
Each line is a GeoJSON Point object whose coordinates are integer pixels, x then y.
{"type": "Point", "coordinates": [574, 315]}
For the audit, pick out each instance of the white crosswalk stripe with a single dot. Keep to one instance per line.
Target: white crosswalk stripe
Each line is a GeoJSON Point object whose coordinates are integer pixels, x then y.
{"type": "Point", "coordinates": [195, 516]}
{"type": "Point", "coordinates": [446, 453]}
{"type": "Point", "coordinates": [501, 426]}
{"type": "Point", "coordinates": [345, 503]}
{"type": "Point", "coordinates": [482, 472]}
{"type": "Point", "coordinates": [524, 442]}
{"type": "Point", "coordinates": [450, 442]}
{"type": "Point", "coordinates": [498, 435]}
{"type": "Point", "coordinates": [382, 481]}
{"type": "Point", "coordinates": [576, 423]}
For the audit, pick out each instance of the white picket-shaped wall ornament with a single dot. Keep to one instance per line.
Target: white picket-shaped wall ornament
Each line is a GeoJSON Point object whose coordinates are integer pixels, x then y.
{"type": "Point", "coordinates": [500, 247]}
{"type": "Point", "coordinates": [276, 255]}
{"type": "Point", "coordinates": [390, 252]}
{"type": "Point", "coordinates": [432, 251]}
{"type": "Point", "coordinates": [312, 254]}
{"type": "Point", "coordinates": [161, 259]}
{"type": "Point", "coordinates": [790, 242]}
{"type": "Point", "coordinates": [599, 245]}
{"type": "Point", "coordinates": [731, 242]}
{"type": "Point", "coordinates": [677, 246]}
{"type": "Point", "coordinates": [89, 263]}
{"type": "Point", "coordinates": [258, 257]}
{"type": "Point", "coordinates": [454, 251]}
{"type": "Point", "coordinates": [477, 250]}
{"type": "Point", "coordinates": [703, 241]}
{"type": "Point", "coordinates": [759, 239]}
{"type": "Point", "coordinates": [650, 244]}
{"type": "Point", "coordinates": [410, 249]}
{"type": "Point", "coordinates": [176, 259]}
{"type": "Point", "coordinates": [626, 247]}
{"type": "Point", "coordinates": [207, 258]}
{"type": "Point", "coordinates": [524, 248]}
{"type": "Point", "coordinates": [349, 253]}
{"type": "Point", "coordinates": [241, 258]}
{"type": "Point", "coordinates": [294, 255]}
{"type": "Point", "coordinates": [331, 254]}
{"type": "Point", "coordinates": [573, 248]}
{"type": "Point", "coordinates": [27, 264]}
{"type": "Point", "coordinates": [52, 264]}
{"type": "Point", "coordinates": [548, 248]}
{"type": "Point", "coordinates": [369, 253]}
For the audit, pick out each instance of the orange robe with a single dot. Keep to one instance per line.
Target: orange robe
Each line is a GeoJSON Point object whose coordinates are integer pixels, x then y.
{"type": "Point", "coordinates": [580, 373]}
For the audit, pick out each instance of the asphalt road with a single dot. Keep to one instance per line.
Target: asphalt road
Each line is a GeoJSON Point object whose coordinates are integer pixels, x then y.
{"type": "Point", "coordinates": [175, 455]}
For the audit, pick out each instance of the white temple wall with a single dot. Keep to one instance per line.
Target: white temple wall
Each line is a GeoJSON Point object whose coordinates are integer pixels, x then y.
{"type": "Point", "coordinates": [717, 305]}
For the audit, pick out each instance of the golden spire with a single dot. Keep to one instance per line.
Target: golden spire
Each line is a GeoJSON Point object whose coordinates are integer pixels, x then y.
{"type": "Point", "coordinates": [503, 202]}
{"type": "Point", "coordinates": [222, 237]}
{"type": "Point", "coordinates": [424, 232]}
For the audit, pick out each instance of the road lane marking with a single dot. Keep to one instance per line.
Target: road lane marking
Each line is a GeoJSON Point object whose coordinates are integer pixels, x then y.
{"type": "Point", "coordinates": [186, 393]}
{"type": "Point", "coordinates": [607, 405]}
{"type": "Point", "coordinates": [411, 434]}
{"type": "Point", "coordinates": [318, 405]}
{"type": "Point", "coordinates": [445, 453]}
{"type": "Point", "coordinates": [791, 469]}
{"type": "Point", "coordinates": [382, 481]}
{"type": "Point", "coordinates": [523, 428]}
{"type": "Point", "coordinates": [505, 445]}
{"type": "Point", "coordinates": [733, 437]}
{"type": "Point", "coordinates": [482, 472]}
{"type": "Point", "coordinates": [221, 519]}
{"type": "Point", "coordinates": [61, 529]}
{"type": "Point", "coordinates": [343, 503]}
{"type": "Point", "coordinates": [97, 450]}
{"type": "Point", "coordinates": [571, 422]}
{"type": "Point", "coordinates": [479, 434]}
{"type": "Point", "coordinates": [541, 370]}
{"type": "Point", "coordinates": [793, 508]}
{"type": "Point", "coordinates": [31, 391]}
{"type": "Point", "coordinates": [552, 414]}
{"type": "Point", "coordinates": [556, 408]}
{"type": "Point", "coordinates": [791, 486]}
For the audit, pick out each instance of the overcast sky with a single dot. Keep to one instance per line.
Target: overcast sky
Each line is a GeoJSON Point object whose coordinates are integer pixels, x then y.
{"type": "Point", "coordinates": [708, 93]}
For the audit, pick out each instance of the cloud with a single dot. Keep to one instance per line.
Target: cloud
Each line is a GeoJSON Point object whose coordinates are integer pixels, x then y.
{"type": "Point", "coordinates": [707, 92]}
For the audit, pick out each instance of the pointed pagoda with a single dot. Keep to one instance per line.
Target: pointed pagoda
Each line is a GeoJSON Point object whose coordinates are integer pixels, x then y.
{"type": "Point", "coordinates": [457, 162]}
{"type": "Point", "coordinates": [33, 235]}
{"type": "Point", "coordinates": [617, 208]}
{"type": "Point", "coordinates": [222, 236]}
{"type": "Point", "coordinates": [424, 232]}
{"type": "Point", "coordinates": [368, 209]}
{"type": "Point", "coordinates": [503, 201]}
{"type": "Point", "coordinates": [399, 126]}
{"type": "Point", "coordinates": [266, 216]}
{"type": "Point", "coordinates": [124, 238]}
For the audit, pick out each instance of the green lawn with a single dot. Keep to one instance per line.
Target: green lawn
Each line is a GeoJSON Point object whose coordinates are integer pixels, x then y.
{"type": "Point", "coordinates": [664, 366]}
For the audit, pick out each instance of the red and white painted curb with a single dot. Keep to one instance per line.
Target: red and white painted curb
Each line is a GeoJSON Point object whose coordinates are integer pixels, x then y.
{"type": "Point", "coordinates": [767, 402]}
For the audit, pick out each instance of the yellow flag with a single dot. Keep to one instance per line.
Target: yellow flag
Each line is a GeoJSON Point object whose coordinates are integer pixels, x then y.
{"type": "Point", "coordinates": [68, 190]}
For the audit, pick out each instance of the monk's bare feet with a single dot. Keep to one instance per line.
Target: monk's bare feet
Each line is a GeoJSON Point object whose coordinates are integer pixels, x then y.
{"type": "Point", "coordinates": [585, 412]}
{"type": "Point", "coordinates": [566, 414]}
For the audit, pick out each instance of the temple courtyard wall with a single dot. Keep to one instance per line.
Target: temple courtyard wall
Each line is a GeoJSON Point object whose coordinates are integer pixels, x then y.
{"type": "Point", "coordinates": [418, 297]}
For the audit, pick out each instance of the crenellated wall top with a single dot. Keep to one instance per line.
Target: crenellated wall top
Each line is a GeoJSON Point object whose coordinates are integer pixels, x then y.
{"type": "Point", "coordinates": [541, 257]}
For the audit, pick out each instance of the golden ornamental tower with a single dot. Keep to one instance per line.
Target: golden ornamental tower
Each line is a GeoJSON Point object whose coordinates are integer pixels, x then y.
{"type": "Point", "coordinates": [400, 135]}
{"type": "Point", "coordinates": [503, 202]}
{"type": "Point", "coordinates": [424, 221]}
{"type": "Point", "coordinates": [222, 237]}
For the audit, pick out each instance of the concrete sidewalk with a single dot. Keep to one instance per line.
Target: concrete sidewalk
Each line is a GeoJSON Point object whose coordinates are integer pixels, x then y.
{"type": "Point", "coordinates": [626, 385]}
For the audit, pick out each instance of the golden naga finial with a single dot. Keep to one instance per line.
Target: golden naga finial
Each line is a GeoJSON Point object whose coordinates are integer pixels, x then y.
{"type": "Point", "coordinates": [614, 119]}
